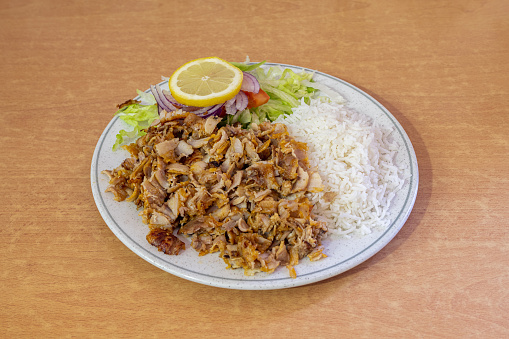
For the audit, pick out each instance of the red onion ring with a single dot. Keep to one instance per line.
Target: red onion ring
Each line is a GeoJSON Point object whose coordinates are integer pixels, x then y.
{"type": "Point", "coordinates": [164, 100]}
{"type": "Point", "coordinates": [231, 110]}
{"type": "Point", "coordinates": [199, 110]}
{"type": "Point", "coordinates": [170, 98]}
{"type": "Point", "coordinates": [160, 101]}
{"type": "Point", "coordinates": [156, 96]}
{"type": "Point", "coordinates": [250, 83]}
{"type": "Point", "coordinates": [230, 106]}
{"type": "Point", "coordinates": [193, 109]}
{"type": "Point", "coordinates": [215, 110]}
{"type": "Point", "coordinates": [242, 101]}
{"type": "Point", "coordinates": [231, 101]}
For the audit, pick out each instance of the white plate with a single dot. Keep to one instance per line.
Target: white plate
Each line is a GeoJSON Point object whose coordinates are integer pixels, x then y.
{"type": "Point", "coordinates": [343, 254]}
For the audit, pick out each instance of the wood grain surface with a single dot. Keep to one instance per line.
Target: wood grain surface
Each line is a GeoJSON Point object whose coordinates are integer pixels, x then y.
{"type": "Point", "coordinates": [440, 67]}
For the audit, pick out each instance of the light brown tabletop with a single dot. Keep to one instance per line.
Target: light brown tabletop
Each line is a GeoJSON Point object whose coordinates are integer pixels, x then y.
{"type": "Point", "coordinates": [440, 67]}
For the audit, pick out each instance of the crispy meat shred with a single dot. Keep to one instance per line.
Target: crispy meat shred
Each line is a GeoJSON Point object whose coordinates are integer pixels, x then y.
{"type": "Point", "coordinates": [238, 192]}
{"type": "Point", "coordinates": [127, 103]}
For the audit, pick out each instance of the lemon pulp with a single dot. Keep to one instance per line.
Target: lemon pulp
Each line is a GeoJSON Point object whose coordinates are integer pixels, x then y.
{"type": "Point", "coordinates": [205, 82]}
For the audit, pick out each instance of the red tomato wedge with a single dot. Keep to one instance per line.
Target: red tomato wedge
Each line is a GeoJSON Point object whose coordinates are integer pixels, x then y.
{"type": "Point", "coordinates": [256, 99]}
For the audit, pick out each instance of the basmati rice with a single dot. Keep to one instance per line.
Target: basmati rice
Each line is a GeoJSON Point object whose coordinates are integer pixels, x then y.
{"type": "Point", "coordinates": [356, 160]}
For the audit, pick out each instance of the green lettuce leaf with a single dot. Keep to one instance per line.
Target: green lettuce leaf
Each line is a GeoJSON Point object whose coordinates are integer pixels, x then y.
{"type": "Point", "coordinates": [285, 88]}
{"type": "Point", "coordinates": [244, 67]}
{"type": "Point", "coordinates": [138, 117]}
{"type": "Point", "coordinates": [146, 98]}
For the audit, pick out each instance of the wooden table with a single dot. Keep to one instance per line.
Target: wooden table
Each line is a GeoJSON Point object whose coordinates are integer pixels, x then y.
{"type": "Point", "coordinates": [440, 67]}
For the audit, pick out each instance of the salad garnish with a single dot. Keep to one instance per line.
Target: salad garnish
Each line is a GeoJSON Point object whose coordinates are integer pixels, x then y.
{"type": "Point", "coordinates": [264, 95]}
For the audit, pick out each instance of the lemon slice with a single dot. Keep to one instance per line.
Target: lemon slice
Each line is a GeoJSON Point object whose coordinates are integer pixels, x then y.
{"type": "Point", "coordinates": [205, 82]}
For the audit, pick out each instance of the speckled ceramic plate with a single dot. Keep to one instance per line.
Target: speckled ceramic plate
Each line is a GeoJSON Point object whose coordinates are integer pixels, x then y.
{"type": "Point", "coordinates": [343, 254]}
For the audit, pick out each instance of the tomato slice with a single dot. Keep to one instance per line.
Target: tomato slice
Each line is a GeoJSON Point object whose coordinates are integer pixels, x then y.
{"type": "Point", "coordinates": [256, 99]}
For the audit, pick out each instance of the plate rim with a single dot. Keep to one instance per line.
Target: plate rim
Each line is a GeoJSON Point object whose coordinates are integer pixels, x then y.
{"type": "Point", "coordinates": [275, 283]}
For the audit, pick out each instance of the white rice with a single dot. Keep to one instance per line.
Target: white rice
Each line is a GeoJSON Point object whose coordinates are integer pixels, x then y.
{"type": "Point", "coordinates": [356, 160]}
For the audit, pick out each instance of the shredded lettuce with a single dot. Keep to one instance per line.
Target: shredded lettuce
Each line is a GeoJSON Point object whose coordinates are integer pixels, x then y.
{"type": "Point", "coordinates": [285, 88]}
{"type": "Point", "coordinates": [245, 67]}
{"type": "Point", "coordinates": [146, 98]}
{"type": "Point", "coordinates": [333, 95]}
{"type": "Point", "coordinates": [138, 117]}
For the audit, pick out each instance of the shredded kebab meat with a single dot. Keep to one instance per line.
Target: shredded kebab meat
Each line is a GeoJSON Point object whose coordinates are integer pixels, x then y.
{"type": "Point", "coordinates": [238, 192]}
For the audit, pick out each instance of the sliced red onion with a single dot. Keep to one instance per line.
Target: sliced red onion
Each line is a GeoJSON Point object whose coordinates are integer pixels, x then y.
{"type": "Point", "coordinates": [194, 109]}
{"type": "Point", "coordinates": [156, 96]}
{"type": "Point", "coordinates": [250, 83]}
{"type": "Point", "coordinates": [198, 111]}
{"type": "Point", "coordinates": [230, 106]}
{"type": "Point", "coordinates": [231, 101]}
{"type": "Point", "coordinates": [164, 100]}
{"type": "Point", "coordinates": [170, 98]}
{"type": "Point", "coordinates": [215, 110]}
{"type": "Point", "coordinates": [242, 101]}
{"type": "Point", "coordinates": [238, 103]}
{"type": "Point", "coordinates": [231, 110]}
{"type": "Point", "coordinates": [163, 103]}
